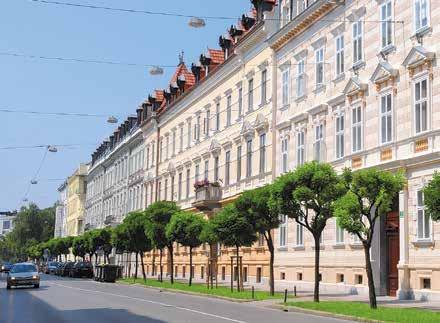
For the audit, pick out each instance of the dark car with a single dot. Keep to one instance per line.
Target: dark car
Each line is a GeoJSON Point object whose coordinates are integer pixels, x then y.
{"type": "Point", "coordinates": [59, 269]}
{"type": "Point", "coordinates": [51, 267]}
{"type": "Point", "coordinates": [82, 269]}
{"type": "Point", "coordinates": [6, 267]}
{"type": "Point", "coordinates": [65, 271]}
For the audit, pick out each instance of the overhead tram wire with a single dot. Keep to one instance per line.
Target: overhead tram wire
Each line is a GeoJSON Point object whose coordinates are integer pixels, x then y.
{"type": "Point", "coordinates": [45, 146]}
{"type": "Point", "coordinates": [177, 15]}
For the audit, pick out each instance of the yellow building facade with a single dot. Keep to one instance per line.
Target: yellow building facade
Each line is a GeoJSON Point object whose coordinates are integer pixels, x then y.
{"type": "Point", "coordinates": [76, 196]}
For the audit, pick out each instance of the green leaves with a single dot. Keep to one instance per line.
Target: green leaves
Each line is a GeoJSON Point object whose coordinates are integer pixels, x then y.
{"type": "Point", "coordinates": [134, 228]}
{"type": "Point", "coordinates": [432, 197]}
{"type": "Point", "coordinates": [186, 228]}
{"type": "Point", "coordinates": [160, 214]}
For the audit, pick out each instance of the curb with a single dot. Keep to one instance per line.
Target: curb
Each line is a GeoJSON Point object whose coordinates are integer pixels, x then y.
{"type": "Point", "coordinates": [323, 314]}
{"type": "Point", "coordinates": [175, 291]}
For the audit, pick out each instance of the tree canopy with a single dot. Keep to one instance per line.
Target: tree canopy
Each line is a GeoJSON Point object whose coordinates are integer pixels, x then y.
{"type": "Point", "coordinates": [432, 198]}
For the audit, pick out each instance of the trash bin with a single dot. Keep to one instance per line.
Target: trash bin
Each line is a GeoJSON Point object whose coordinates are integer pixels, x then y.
{"type": "Point", "coordinates": [108, 273]}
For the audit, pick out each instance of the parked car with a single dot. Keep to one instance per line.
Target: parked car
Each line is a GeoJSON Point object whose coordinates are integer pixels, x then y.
{"type": "Point", "coordinates": [82, 269]}
{"type": "Point", "coordinates": [65, 271]}
{"type": "Point", "coordinates": [23, 274]}
{"type": "Point", "coordinates": [59, 269]}
{"type": "Point", "coordinates": [51, 267]}
{"type": "Point", "coordinates": [6, 267]}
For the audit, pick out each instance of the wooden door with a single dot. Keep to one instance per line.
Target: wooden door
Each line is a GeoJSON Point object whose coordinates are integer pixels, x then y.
{"type": "Point", "coordinates": [392, 232]}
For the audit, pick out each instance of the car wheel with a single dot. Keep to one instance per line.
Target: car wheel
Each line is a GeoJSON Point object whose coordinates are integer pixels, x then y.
{"type": "Point", "coordinates": [8, 286]}
{"type": "Point", "coordinates": [37, 286]}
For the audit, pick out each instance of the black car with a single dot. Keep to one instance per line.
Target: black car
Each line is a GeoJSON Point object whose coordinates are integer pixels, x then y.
{"type": "Point", "coordinates": [65, 270]}
{"type": "Point", "coordinates": [82, 269]}
{"type": "Point", "coordinates": [5, 267]}
{"type": "Point", "coordinates": [59, 269]}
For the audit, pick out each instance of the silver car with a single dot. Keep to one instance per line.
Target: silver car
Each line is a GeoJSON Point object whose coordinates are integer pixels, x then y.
{"type": "Point", "coordinates": [23, 274]}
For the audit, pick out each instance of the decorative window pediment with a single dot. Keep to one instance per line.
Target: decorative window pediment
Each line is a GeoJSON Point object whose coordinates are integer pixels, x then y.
{"type": "Point", "coordinates": [171, 168]}
{"type": "Point", "coordinates": [149, 177]}
{"type": "Point", "coordinates": [384, 71]}
{"type": "Point", "coordinates": [215, 147]}
{"type": "Point", "coordinates": [355, 86]}
{"type": "Point", "coordinates": [261, 123]}
{"type": "Point", "coordinates": [417, 56]}
{"type": "Point", "coordinates": [247, 130]}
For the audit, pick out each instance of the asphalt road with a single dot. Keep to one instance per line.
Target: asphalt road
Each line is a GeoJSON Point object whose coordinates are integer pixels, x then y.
{"type": "Point", "coordinates": [62, 300]}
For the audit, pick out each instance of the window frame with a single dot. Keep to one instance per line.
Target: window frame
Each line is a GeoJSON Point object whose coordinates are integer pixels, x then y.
{"type": "Point", "coordinates": [420, 80]}
{"type": "Point", "coordinates": [300, 147]}
{"type": "Point", "coordinates": [358, 41]}
{"type": "Point", "coordinates": [301, 79]}
{"type": "Point", "coordinates": [250, 95]}
{"type": "Point", "coordinates": [389, 115]}
{"type": "Point", "coordinates": [339, 55]}
{"type": "Point", "coordinates": [340, 136]}
{"type": "Point", "coordinates": [420, 209]}
{"type": "Point", "coordinates": [262, 157]}
{"type": "Point", "coordinates": [285, 86]}
{"type": "Point", "coordinates": [319, 67]}
{"type": "Point", "coordinates": [357, 125]}
{"type": "Point", "coordinates": [282, 231]}
{"type": "Point", "coordinates": [415, 18]}
{"type": "Point", "coordinates": [386, 24]}
{"type": "Point", "coordinates": [249, 158]}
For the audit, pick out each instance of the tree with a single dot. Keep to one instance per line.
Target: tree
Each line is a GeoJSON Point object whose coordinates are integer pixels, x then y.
{"type": "Point", "coordinates": [79, 247]}
{"type": "Point", "coordinates": [432, 198]}
{"type": "Point", "coordinates": [185, 228]}
{"type": "Point", "coordinates": [370, 196]}
{"type": "Point", "coordinates": [307, 195]}
{"type": "Point", "coordinates": [120, 240]}
{"type": "Point", "coordinates": [136, 224]}
{"type": "Point", "coordinates": [233, 230]}
{"type": "Point", "coordinates": [159, 215]}
{"type": "Point", "coordinates": [254, 206]}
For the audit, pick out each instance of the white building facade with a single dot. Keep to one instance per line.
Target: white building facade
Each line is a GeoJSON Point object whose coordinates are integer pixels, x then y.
{"type": "Point", "coordinates": [61, 212]}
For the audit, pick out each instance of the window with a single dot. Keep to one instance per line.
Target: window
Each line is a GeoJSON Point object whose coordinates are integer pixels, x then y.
{"type": "Point", "coordinates": [249, 158]}
{"type": "Point", "coordinates": [160, 151]}
{"type": "Point", "coordinates": [228, 111]}
{"type": "Point", "coordinates": [261, 239]}
{"type": "Point", "coordinates": [188, 182]}
{"type": "Point", "coordinates": [299, 276]}
{"type": "Point", "coordinates": [386, 119]}
{"type": "Point", "coordinates": [206, 169]}
{"type": "Point", "coordinates": [319, 61]}
{"type": "Point", "coordinates": [152, 154]}
{"type": "Point", "coordinates": [339, 55]}
{"type": "Point", "coordinates": [148, 157]}
{"type": "Point", "coordinates": [227, 167]}
{"type": "Point", "coordinates": [358, 279]}
{"type": "Point", "coordinates": [282, 276]}
{"type": "Point", "coordinates": [174, 142]}
{"type": "Point", "coordinates": [188, 144]}
{"type": "Point", "coordinates": [299, 234]}
{"type": "Point", "coordinates": [207, 123]}
{"type": "Point", "coordinates": [262, 153]}
{"type": "Point", "coordinates": [172, 188]}
{"type": "Point", "coordinates": [167, 149]}
{"type": "Point", "coordinates": [258, 278]}
{"type": "Point", "coordinates": [197, 173]}
{"type": "Point", "coordinates": [283, 230]}
{"type": "Point", "coordinates": [6, 225]}
{"type": "Point", "coordinates": [166, 190]}
{"type": "Point", "coordinates": [217, 117]}
{"type": "Point", "coordinates": [216, 166]}
{"type": "Point", "coordinates": [181, 139]}
{"type": "Point", "coordinates": [223, 273]}
{"type": "Point", "coordinates": [284, 154]}
{"type": "Point", "coordinates": [238, 163]}
{"type": "Point", "coordinates": [357, 42]}
{"type": "Point", "coordinates": [286, 86]}
{"type": "Point", "coordinates": [421, 14]}
{"type": "Point", "coordinates": [240, 102]}
{"type": "Point", "coordinates": [339, 234]}
{"type": "Point", "coordinates": [300, 148]}
{"type": "Point", "coordinates": [263, 87]}
{"type": "Point", "coordinates": [386, 26]}
{"type": "Point", "coordinates": [356, 124]}
{"type": "Point", "coordinates": [421, 105]}
{"type": "Point", "coordinates": [197, 128]}
{"type": "Point", "coordinates": [285, 13]}
{"type": "Point", "coordinates": [340, 142]}
{"type": "Point", "coordinates": [301, 79]}
{"type": "Point", "coordinates": [245, 274]}
{"type": "Point", "coordinates": [179, 189]}
{"type": "Point", "coordinates": [423, 220]}
{"type": "Point", "coordinates": [426, 283]}
{"type": "Point", "coordinates": [340, 278]}
{"type": "Point", "coordinates": [319, 143]}
{"type": "Point", "coordinates": [159, 194]}
{"type": "Point", "coordinates": [250, 95]}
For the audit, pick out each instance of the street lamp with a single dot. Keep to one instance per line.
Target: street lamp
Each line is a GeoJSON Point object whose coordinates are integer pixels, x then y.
{"type": "Point", "coordinates": [52, 149]}
{"type": "Point", "coordinates": [112, 119]}
{"type": "Point", "coordinates": [34, 182]}
{"type": "Point", "coordinates": [196, 22]}
{"type": "Point", "coordinates": [156, 70]}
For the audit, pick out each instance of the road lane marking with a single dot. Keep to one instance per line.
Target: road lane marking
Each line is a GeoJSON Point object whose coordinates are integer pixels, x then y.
{"type": "Point", "coordinates": [151, 302]}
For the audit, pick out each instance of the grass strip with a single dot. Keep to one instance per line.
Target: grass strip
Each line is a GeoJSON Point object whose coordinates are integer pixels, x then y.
{"type": "Point", "coordinates": [362, 310]}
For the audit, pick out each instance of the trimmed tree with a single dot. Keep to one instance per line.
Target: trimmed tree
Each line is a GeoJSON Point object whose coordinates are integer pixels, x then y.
{"type": "Point", "coordinates": [307, 195]}
{"type": "Point", "coordinates": [185, 228]}
{"type": "Point", "coordinates": [432, 198]}
{"type": "Point", "coordinates": [254, 205]}
{"type": "Point", "coordinates": [233, 230]}
{"type": "Point", "coordinates": [370, 196]}
{"type": "Point", "coordinates": [159, 215]}
{"type": "Point", "coordinates": [79, 247]}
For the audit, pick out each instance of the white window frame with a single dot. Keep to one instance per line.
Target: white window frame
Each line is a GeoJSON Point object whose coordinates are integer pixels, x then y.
{"type": "Point", "coordinates": [420, 102]}
{"type": "Point", "coordinates": [386, 118]}
{"type": "Point", "coordinates": [419, 17]}
{"type": "Point", "coordinates": [386, 25]}
{"type": "Point", "coordinates": [357, 129]}
{"type": "Point", "coordinates": [249, 158]}
{"type": "Point", "coordinates": [319, 143]}
{"type": "Point", "coordinates": [301, 79]}
{"type": "Point", "coordinates": [250, 95]}
{"type": "Point", "coordinates": [299, 235]}
{"type": "Point", "coordinates": [217, 116]}
{"type": "Point", "coordinates": [262, 160]}
{"type": "Point", "coordinates": [340, 135]}
{"type": "Point", "coordinates": [300, 147]}
{"type": "Point", "coordinates": [228, 111]}
{"type": "Point", "coordinates": [319, 67]}
{"type": "Point", "coordinates": [340, 55]}
{"type": "Point", "coordinates": [264, 86]}
{"type": "Point", "coordinates": [227, 167]}
{"type": "Point", "coordinates": [240, 102]}
{"type": "Point", "coordinates": [282, 236]}
{"type": "Point", "coordinates": [358, 40]}
{"type": "Point", "coordinates": [285, 86]}
{"type": "Point", "coordinates": [422, 217]}
{"type": "Point", "coordinates": [340, 234]}
{"type": "Point", "coordinates": [284, 154]}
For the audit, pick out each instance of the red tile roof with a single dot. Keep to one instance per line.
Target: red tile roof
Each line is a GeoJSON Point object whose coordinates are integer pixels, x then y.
{"type": "Point", "coordinates": [217, 56]}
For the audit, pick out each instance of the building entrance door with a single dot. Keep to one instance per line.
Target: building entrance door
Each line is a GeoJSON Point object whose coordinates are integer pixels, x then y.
{"type": "Point", "coordinates": [392, 233]}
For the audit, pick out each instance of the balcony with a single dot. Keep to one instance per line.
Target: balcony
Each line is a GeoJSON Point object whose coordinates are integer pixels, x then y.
{"type": "Point", "coordinates": [110, 220]}
{"type": "Point", "coordinates": [208, 195]}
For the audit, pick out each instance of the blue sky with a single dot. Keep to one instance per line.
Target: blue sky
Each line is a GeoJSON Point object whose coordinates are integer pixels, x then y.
{"type": "Point", "coordinates": [26, 84]}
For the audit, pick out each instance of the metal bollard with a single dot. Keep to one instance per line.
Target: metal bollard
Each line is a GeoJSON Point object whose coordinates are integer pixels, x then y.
{"type": "Point", "coordinates": [285, 295]}
{"type": "Point", "coordinates": [294, 290]}
{"type": "Point", "coordinates": [253, 292]}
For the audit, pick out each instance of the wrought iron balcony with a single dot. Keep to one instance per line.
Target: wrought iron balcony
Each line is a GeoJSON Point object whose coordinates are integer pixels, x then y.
{"type": "Point", "coordinates": [208, 195]}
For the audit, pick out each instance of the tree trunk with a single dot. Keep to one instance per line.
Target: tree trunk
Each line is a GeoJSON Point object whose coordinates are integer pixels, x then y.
{"type": "Point", "coordinates": [130, 254]}
{"type": "Point", "coordinates": [238, 269]}
{"type": "Point", "coordinates": [241, 273]}
{"type": "Point", "coordinates": [160, 265]}
{"type": "Point", "coordinates": [371, 289]}
{"type": "Point", "coordinates": [137, 265]}
{"type": "Point", "coordinates": [153, 263]}
{"type": "Point", "coordinates": [170, 251]}
{"type": "Point", "coordinates": [271, 262]}
{"type": "Point", "coordinates": [143, 267]}
{"type": "Point", "coordinates": [190, 265]}
{"type": "Point", "coordinates": [317, 250]}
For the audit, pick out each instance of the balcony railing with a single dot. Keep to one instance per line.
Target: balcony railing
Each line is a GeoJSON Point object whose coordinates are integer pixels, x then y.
{"type": "Point", "coordinates": [208, 195]}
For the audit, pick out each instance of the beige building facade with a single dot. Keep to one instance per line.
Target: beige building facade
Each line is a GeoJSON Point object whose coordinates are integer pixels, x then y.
{"type": "Point", "coordinates": [76, 197]}
{"type": "Point", "coordinates": [358, 86]}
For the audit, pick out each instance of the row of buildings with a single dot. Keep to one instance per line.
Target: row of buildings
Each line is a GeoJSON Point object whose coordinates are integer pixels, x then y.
{"type": "Point", "coordinates": [353, 83]}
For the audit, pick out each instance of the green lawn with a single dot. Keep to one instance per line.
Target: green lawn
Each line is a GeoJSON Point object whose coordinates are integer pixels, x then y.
{"type": "Point", "coordinates": [386, 314]}
{"type": "Point", "coordinates": [202, 289]}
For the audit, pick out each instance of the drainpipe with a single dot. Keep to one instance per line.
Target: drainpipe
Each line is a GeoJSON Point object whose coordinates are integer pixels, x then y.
{"type": "Point", "coordinates": [274, 113]}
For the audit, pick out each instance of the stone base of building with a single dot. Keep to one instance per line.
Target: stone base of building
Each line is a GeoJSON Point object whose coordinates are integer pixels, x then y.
{"type": "Point", "coordinates": [324, 288]}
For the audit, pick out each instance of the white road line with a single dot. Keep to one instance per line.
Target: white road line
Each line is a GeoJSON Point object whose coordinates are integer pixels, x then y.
{"type": "Point", "coordinates": [151, 302]}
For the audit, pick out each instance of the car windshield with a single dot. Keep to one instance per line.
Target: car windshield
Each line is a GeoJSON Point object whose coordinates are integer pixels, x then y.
{"type": "Point", "coordinates": [53, 263]}
{"type": "Point", "coordinates": [22, 268]}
